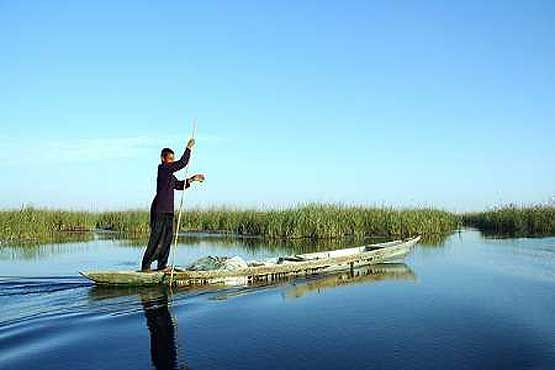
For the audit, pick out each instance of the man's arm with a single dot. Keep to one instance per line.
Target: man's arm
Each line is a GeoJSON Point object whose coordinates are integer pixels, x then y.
{"type": "Point", "coordinates": [182, 184]}
{"type": "Point", "coordinates": [181, 162]}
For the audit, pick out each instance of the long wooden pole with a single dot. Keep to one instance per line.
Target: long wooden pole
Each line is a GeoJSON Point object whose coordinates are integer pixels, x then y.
{"type": "Point", "coordinates": [181, 209]}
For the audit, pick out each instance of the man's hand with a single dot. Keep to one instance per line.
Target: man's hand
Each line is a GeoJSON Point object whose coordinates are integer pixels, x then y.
{"type": "Point", "coordinates": [191, 143]}
{"type": "Point", "coordinates": [198, 177]}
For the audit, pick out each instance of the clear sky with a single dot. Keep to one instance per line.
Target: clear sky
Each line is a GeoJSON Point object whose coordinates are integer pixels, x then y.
{"type": "Point", "coordinates": [411, 103]}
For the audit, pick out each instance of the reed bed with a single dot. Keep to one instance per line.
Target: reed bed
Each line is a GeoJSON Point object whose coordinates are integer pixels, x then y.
{"type": "Point", "coordinates": [316, 221]}
{"type": "Point", "coordinates": [33, 224]}
{"type": "Point", "coordinates": [312, 221]}
{"type": "Point", "coordinates": [515, 220]}
{"type": "Point", "coordinates": [133, 222]}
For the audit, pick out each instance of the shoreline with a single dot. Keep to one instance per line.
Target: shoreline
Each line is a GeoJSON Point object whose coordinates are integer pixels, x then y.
{"type": "Point", "coordinates": [307, 222]}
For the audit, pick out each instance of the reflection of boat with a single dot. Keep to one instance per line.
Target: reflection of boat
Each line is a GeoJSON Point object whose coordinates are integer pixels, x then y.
{"type": "Point", "coordinates": [363, 275]}
{"type": "Point", "coordinates": [297, 265]}
{"type": "Point", "coordinates": [101, 292]}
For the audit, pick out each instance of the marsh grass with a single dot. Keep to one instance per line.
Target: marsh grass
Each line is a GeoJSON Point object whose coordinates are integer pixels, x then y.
{"type": "Point", "coordinates": [317, 221]}
{"type": "Point", "coordinates": [132, 222]}
{"type": "Point", "coordinates": [28, 224]}
{"type": "Point", "coordinates": [311, 221]}
{"type": "Point", "coordinates": [515, 220]}
{"type": "Point", "coordinates": [295, 226]}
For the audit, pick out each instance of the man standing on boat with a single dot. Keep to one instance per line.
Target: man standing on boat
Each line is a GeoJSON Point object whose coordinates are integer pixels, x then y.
{"type": "Point", "coordinates": [161, 210]}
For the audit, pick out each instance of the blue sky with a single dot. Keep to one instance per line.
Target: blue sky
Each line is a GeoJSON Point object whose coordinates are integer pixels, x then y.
{"type": "Point", "coordinates": [402, 103]}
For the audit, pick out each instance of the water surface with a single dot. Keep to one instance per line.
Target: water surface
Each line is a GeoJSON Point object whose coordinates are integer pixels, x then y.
{"type": "Point", "coordinates": [472, 303]}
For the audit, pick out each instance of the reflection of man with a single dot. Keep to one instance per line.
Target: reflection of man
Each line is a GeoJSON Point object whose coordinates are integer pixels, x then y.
{"type": "Point", "coordinates": [163, 349]}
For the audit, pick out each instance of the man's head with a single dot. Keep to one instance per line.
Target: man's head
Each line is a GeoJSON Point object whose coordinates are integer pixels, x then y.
{"type": "Point", "coordinates": [167, 155]}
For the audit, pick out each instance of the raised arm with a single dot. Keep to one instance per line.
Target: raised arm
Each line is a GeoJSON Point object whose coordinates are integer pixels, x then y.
{"type": "Point", "coordinates": [181, 162]}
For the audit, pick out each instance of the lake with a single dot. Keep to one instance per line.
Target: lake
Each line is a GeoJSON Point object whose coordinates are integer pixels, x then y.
{"type": "Point", "coordinates": [470, 303]}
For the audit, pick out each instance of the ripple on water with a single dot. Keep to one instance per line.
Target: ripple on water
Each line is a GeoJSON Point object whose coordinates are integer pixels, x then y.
{"type": "Point", "coordinates": [473, 304]}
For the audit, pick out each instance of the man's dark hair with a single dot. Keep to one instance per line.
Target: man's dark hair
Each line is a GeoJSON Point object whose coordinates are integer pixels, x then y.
{"type": "Point", "coordinates": [165, 152]}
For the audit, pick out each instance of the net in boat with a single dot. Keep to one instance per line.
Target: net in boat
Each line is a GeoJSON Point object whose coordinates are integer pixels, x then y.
{"type": "Point", "coordinates": [222, 263]}
{"type": "Point", "coordinates": [211, 263]}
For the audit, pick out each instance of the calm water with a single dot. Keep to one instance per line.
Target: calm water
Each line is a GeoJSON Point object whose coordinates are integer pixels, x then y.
{"type": "Point", "coordinates": [472, 303]}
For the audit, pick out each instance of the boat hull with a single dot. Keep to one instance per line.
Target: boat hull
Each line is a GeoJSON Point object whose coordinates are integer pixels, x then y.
{"type": "Point", "coordinates": [315, 263]}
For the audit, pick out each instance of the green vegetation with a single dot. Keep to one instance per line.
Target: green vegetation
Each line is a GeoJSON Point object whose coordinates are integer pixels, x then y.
{"type": "Point", "coordinates": [133, 222]}
{"type": "Point", "coordinates": [315, 221]}
{"type": "Point", "coordinates": [32, 224]}
{"type": "Point", "coordinates": [312, 221]}
{"type": "Point", "coordinates": [515, 220]}
{"type": "Point", "coordinates": [306, 222]}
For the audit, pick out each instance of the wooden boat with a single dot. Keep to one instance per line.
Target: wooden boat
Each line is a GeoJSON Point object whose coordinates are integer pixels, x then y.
{"type": "Point", "coordinates": [296, 287]}
{"type": "Point", "coordinates": [296, 265]}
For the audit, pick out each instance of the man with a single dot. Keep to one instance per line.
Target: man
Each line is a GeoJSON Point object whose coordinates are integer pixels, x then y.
{"type": "Point", "coordinates": [161, 210]}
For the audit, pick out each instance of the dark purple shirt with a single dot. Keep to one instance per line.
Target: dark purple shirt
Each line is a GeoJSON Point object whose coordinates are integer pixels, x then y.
{"type": "Point", "coordinates": [166, 183]}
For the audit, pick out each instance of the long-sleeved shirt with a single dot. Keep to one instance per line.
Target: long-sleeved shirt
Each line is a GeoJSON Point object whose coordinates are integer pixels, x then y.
{"type": "Point", "coordinates": [166, 183]}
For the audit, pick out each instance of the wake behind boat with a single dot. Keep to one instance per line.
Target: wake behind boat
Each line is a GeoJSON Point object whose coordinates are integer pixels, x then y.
{"type": "Point", "coordinates": [264, 271]}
